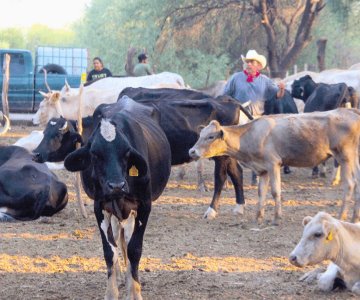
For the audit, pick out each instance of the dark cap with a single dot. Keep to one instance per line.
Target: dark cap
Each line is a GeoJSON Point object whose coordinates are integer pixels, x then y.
{"type": "Point", "coordinates": [142, 56]}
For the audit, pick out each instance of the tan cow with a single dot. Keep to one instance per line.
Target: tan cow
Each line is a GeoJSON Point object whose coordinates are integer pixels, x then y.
{"type": "Point", "coordinates": [302, 140]}
{"type": "Point", "coordinates": [326, 238]}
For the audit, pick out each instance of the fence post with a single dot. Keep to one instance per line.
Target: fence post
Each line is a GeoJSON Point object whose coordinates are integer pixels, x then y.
{"type": "Point", "coordinates": [5, 88]}
{"type": "Point", "coordinates": [306, 67]}
{"type": "Point", "coordinates": [295, 69]}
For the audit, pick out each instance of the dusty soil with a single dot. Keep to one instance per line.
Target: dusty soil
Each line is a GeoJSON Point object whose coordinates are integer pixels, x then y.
{"type": "Point", "coordinates": [184, 256]}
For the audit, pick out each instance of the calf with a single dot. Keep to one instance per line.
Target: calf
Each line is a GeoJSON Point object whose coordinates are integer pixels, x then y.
{"type": "Point", "coordinates": [127, 163]}
{"type": "Point", "coordinates": [303, 140]}
{"type": "Point", "coordinates": [28, 190]}
{"type": "Point", "coordinates": [326, 238]}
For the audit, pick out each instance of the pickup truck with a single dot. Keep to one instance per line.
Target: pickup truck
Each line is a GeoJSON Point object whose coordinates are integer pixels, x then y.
{"type": "Point", "coordinates": [27, 78]}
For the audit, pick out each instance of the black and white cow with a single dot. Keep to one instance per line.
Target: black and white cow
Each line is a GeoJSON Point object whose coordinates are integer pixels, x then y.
{"type": "Point", "coordinates": [28, 190]}
{"type": "Point", "coordinates": [180, 120]}
{"type": "Point", "coordinates": [129, 160]}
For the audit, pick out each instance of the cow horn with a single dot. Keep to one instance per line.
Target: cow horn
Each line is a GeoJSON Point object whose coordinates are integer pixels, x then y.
{"type": "Point", "coordinates": [64, 128]}
{"type": "Point", "coordinates": [45, 80]}
{"type": "Point", "coordinates": [7, 125]}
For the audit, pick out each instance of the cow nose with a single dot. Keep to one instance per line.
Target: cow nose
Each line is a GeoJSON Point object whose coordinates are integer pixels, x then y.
{"type": "Point", "coordinates": [116, 187]}
{"type": "Point", "coordinates": [36, 157]}
{"type": "Point", "coordinates": [193, 154]}
{"type": "Point", "coordinates": [293, 258]}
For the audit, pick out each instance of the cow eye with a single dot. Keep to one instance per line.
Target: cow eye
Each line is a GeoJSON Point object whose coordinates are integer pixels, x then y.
{"type": "Point", "coordinates": [211, 137]}
{"type": "Point", "coordinates": [318, 235]}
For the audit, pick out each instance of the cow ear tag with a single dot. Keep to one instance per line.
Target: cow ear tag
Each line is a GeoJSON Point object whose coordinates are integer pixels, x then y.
{"type": "Point", "coordinates": [133, 171]}
{"type": "Point", "coordinates": [329, 236]}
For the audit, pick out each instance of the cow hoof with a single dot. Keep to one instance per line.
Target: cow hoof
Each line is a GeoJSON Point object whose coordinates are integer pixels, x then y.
{"type": "Point", "coordinates": [277, 222]}
{"type": "Point", "coordinates": [311, 276]}
{"type": "Point", "coordinates": [323, 175]}
{"type": "Point", "coordinates": [325, 282]}
{"type": "Point", "coordinates": [203, 188]}
{"type": "Point", "coordinates": [239, 209]}
{"type": "Point", "coordinates": [356, 288]}
{"type": "Point", "coordinates": [335, 182]}
{"type": "Point", "coordinates": [287, 170]}
{"type": "Point", "coordinates": [210, 214]}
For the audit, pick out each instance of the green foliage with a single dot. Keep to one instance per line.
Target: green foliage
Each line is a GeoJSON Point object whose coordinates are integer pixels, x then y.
{"type": "Point", "coordinates": [12, 38]}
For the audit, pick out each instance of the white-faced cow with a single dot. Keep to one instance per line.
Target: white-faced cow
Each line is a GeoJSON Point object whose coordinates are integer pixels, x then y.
{"type": "Point", "coordinates": [302, 140]}
{"type": "Point", "coordinates": [65, 103]}
{"type": "Point", "coordinates": [326, 238]}
{"type": "Point", "coordinates": [129, 159]}
{"type": "Point", "coordinates": [28, 189]}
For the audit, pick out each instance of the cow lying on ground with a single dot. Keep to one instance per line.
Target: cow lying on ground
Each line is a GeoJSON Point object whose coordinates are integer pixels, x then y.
{"type": "Point", "coordinates": [128, 158]}
{"type": "Point", "coordinates": [28, 190]}
{"type": "Point", "coordinates": [180, 118]}
{"type": "Point", "coordinates": [302, 140]}
{"type": "Point", "coordinates": [326, 238]}
{"type": "Point", "coordinates": [65, 103]}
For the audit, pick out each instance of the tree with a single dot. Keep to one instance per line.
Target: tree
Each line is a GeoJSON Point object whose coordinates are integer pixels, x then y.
{"type": "Point", "coordinates": [286, 24]}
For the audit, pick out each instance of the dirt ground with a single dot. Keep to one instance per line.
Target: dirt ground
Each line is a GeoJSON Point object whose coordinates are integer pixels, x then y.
{"type": "Point", "coordinates": [184, 256]}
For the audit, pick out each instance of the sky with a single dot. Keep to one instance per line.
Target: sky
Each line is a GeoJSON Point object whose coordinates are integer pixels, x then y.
{"type": "Point", "coordinates": [53, 13]}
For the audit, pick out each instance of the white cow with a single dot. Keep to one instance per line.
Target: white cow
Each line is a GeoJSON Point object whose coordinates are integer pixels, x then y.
{"type": "Point", "coordinates": [326, 238]}
{"type": "Point", "coordinates": [31, 141]}
{"type": "Point", "coordinates": [66, 102]}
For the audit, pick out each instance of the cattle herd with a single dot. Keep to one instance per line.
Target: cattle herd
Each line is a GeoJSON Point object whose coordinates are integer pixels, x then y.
{"type": "Point", "coordinates": [135, 129]}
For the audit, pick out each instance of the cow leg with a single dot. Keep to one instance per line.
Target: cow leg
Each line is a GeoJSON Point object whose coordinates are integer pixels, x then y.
{"type": "Point", "coordinates": [235, 171]}
{"type": "Point", "coordinates": [181, 173]}
{"type": "Point", "coordinates": [275, 182]}
{"type": "Point", "coordinates": [110, 251]}
{"type": "Point", "coordinates": [347, 174]}
{"type": "Point", "coordinates": [323, 170]}
{"type": "Point", "coordinates": [200, 175]}
{"type": "Point", "coordinates": [287, 170]}
{"type": "Point", "coordinates": [356, 215]}
{"type": "Point", "coordinates": [327, 279]}
{"type": "Point", "coordinates": [315, 172]}
{"type": "Point", "coordinates": [134, 228]}
{"type": "Point", "coordinates": [335, 177]}
{"type": "Point", "coordinates": [262, 191]}
{"type": "Point", "coordinates": [219, 180]}
{"type": "Point", "coordinates": [254, 179]}
{"type": "Point", "coordinates": [356, 288]}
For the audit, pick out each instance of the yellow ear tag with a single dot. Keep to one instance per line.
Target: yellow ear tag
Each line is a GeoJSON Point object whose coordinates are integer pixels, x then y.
{"type": "Point", "coordinates": [133, 171]}
{"type": "Point", "coordinates": [329, 236]}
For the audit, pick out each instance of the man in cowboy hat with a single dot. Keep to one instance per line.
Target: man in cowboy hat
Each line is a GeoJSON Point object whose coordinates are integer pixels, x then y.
{"type": "Point", "coordinates": [252, 86]}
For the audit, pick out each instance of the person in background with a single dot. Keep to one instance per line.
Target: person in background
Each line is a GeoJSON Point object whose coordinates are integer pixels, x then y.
{"type": "Point", "coordinates": [99, 71]}
{"type": "Point", "coordinates": [251, 85]}
{"type": "Point", "coordinates": [142, 68]}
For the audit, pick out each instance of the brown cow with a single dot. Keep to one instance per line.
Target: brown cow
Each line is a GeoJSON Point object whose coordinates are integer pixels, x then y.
{"type": "Point", "coordinates": [302, 140]}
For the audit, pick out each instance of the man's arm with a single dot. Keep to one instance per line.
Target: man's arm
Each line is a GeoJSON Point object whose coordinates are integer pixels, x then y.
{"type": "Point", "coordinates": [148, 70]}
{"type": "Point", "coordinates": [281, 92]}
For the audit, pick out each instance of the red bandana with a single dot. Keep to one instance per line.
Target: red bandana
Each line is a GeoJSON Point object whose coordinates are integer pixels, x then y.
{"type": "Point", "coordinates": [250, 78]}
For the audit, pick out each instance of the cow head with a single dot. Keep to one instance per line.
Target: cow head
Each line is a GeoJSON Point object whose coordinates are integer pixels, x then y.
{"type": "Point", "coordinates": [210, 143]}
{"type": "Point", "coordinates": [48, 108]}
{"type": "Point", "coordinates": [60, 138]}
{"type": "Point", "coordinates": [318, 242]}
{"type": "Point", "coordinates": [303, 87]}
{"type": "Point", "coordinates": [114, 161]}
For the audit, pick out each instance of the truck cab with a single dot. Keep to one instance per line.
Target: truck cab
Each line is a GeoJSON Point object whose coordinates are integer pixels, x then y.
{"type": "Point", "coordinates": [27, 79]}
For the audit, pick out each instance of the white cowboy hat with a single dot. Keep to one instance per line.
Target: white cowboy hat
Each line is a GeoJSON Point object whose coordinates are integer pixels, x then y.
{"type": "Point", "coordinates": [253, 55]}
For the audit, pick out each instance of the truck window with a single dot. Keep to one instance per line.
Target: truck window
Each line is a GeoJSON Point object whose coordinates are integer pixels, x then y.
{"type": "Point", "coordinates": [17, 63]}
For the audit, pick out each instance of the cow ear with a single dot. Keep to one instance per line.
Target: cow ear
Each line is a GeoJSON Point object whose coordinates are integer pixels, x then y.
{"type": "Point", "coordinates": [329, 230]}
{"type": "Point", "coordinates": [221, 134]}
{"type": "Point", "coordinates": [137, 163]}
{"type": "Point", "coordinates": [78, 160]}
{"type": "Point", "coordinates": [306, 220]}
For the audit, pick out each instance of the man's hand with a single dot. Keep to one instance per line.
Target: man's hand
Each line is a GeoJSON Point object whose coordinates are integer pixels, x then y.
{"type": "Point", "coordinates": [281, 91]}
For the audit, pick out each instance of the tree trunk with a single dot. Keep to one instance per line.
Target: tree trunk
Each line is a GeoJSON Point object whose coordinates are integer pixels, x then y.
{"type": "Point", "coordinates": [129, 65]}
{"type": "Point", "coordinates": [321, 45]}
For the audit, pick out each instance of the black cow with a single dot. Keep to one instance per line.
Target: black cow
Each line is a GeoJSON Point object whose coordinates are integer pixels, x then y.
{"type": "Point", "coordinates": [28, 190]}
{"type": "Point", "coordinates": [323, 97]}
{"type": "Point", "coordinates": [129, 161]}
{"type": "Point", "coordinates": [180, 120]}
{"type": "Point", "coordinates": [283, 105]}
